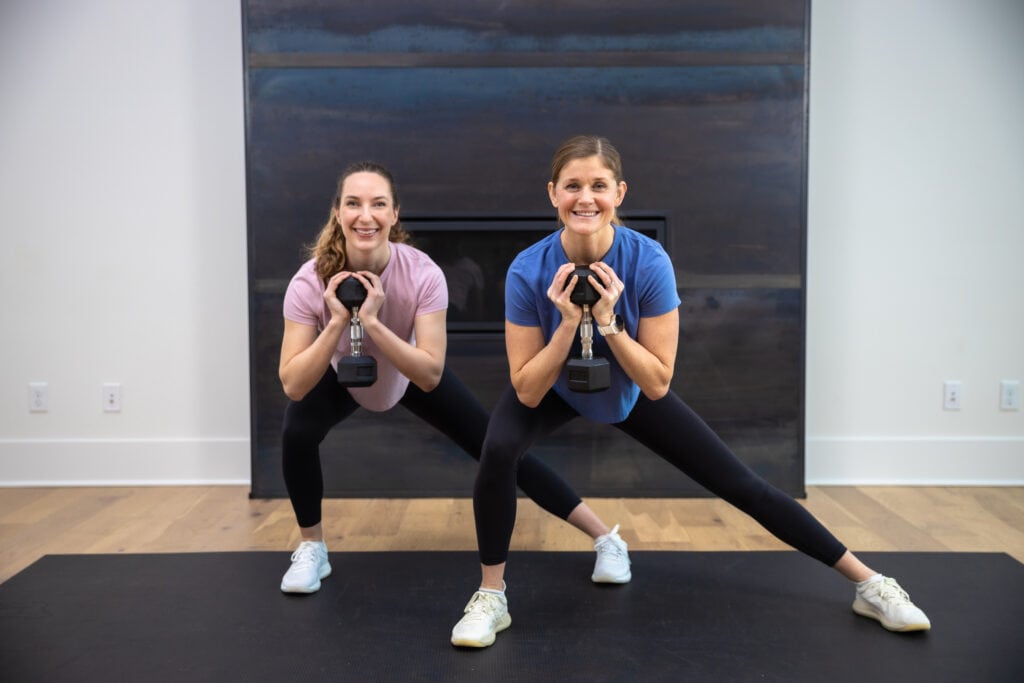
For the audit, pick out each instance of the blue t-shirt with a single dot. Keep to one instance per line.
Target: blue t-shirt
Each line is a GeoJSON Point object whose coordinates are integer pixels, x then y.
{"type": "Point", "coordinates": [650, 290]}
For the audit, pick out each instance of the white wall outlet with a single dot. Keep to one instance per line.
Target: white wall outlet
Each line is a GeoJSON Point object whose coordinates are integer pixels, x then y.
{"type": "Point", "coordinates": [38, 397]}
{"type": "Point", "coordinates": [1009, 394]}
{"type": "Point", "coordinates": [112, 397]}
{"type": "Point", "coordinates": [951, 394]}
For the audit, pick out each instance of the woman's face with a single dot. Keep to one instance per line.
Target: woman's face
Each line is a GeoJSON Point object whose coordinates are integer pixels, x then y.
{"type": "Point", "coordinates": [586, 195]}
{"type": "Point", "coordinates": [366, 212]}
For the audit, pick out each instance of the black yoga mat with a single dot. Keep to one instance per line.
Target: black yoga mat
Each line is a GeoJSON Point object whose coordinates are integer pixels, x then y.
{"type": "Point", "coordinates": [693, 616]}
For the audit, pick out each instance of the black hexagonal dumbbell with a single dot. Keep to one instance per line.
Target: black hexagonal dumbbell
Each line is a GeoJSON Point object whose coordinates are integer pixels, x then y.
{"type": "Point", "coordinates": [586, 374]}
{"type": "Point", "coordinates": [355, 370]}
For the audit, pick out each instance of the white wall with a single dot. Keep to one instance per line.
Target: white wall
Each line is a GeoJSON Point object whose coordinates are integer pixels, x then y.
{"type": "Point", "coordinates": [124, 253]}
{"type": "Point", "coordinates": [916, 240]}
{"type": "Point", "coordinates": [122, 187]}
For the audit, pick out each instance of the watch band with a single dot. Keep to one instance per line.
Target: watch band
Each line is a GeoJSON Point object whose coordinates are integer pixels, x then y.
{"type": "Point", "coordinates": [613, 327]}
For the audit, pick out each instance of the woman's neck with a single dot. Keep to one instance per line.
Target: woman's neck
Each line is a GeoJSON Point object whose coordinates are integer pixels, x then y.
{"type": "Point", "coordinates": [375, 261]}
{"type": "Point", "coordinates": [586, 249]}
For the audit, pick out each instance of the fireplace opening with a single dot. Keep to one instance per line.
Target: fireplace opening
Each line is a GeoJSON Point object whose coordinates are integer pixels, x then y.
{"type": "Point", "coordinates": [475, 252]}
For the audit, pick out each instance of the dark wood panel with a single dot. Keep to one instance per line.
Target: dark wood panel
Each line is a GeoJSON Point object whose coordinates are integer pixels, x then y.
{"type": "Point", "coordinates": [466, 101]}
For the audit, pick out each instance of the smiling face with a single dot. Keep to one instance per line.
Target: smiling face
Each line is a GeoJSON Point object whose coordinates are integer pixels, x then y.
{"type": "Point", "coordinates": [586, 194]}
{"type": "Point", "coordinates": [366, 211]}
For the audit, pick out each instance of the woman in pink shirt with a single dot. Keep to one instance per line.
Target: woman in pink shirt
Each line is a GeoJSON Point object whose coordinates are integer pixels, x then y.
{"type": "Point", "coordinates": [404, 329]}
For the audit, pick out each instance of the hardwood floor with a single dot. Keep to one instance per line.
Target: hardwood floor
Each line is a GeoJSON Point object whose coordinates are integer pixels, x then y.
{"type": "Point", "coordinates": [39, 521]}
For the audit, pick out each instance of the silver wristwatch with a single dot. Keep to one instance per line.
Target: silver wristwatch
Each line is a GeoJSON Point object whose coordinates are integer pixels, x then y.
{"type": "Point", "coordinates": [613, 327]}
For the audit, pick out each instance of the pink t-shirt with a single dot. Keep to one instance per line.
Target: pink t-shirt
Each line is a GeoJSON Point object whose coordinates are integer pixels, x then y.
{"type": "Point", "coordinates": [414, 285]}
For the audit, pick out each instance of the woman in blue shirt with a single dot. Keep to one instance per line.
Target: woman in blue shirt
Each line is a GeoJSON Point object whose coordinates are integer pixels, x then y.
{"type": "Point", "coordinates": [638, 322]}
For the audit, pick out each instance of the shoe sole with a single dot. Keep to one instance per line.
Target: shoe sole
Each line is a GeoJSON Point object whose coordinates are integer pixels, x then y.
{"type": "Point", "coordinates": [503, 624]}
{"type": "Point", "coordinates": [886, 624]}
{"type": "Point", "coordinates": [307, 590]}
{"type": "Point", "coordinates": [612, 579]}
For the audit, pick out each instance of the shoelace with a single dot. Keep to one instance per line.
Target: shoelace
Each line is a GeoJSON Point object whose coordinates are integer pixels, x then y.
{"type": "Point", "coordinates": [305, 554]}
{"type": "Point", "coordinates": [887, 589]}
{"type": "Point", "coordinates": [607, 544]}
{"type": "Point", "coordinates": [482, 607]}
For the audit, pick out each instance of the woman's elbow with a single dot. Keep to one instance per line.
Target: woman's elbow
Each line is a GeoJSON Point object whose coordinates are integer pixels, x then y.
{"type": "Point", "coordinates": [527, 399]}
{"type": "Point", "coordinates": [430, 377]}
{"type": "Point", "coordinates": [293, 392]}
{"type": "Point", "coordinates": [659, 388]}
{"type": "Point", "coordinates": [656, 393]}
{"type": "Point", "coordinates": [294, 395]}
{"type": "Point", "coordinates": [429, 383]}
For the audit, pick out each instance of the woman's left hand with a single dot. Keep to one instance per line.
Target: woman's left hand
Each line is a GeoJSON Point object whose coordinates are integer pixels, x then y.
{"type": "Point", "coordinates": [610, 287]}
{"type": "Point", "coordinates": [374, 293]}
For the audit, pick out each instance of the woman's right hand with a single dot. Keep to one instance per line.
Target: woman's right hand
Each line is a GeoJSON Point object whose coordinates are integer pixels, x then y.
{"type": "Point", "coordinates": [337, 308]}
{"type": "Point", "coordinates": [560, 292]}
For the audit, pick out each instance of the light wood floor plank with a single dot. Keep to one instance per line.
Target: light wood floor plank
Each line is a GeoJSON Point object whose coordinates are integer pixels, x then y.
{"type": "Point", "coordinates": [40, 521]}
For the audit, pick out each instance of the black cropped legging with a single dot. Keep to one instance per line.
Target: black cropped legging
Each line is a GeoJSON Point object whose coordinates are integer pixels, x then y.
{"type": "Point", "coordinates": [669, 428]}
{"type": "Point", "coordinates": [449, 408]}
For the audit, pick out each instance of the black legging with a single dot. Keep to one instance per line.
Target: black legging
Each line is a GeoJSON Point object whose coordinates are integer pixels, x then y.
{"type": "Point", "coordinates": [449, 408]}
{"type": "Point", "coordinates": [669, 428]}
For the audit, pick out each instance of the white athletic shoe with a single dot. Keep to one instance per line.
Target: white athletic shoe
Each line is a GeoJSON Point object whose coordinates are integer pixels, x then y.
{"type": "Point", "coordinates": [309, 565]}
{"type": "Point", "coordinates": [885, 601]}
{"type": "Point", "coordinates": [612, 565]}
{"type": "Point", "coordinates": [486, 615]}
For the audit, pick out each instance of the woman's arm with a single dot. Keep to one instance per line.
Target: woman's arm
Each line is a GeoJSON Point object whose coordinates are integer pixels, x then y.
{"type": "Point", "coordinates": [423, 363]}
{"type": "Point", "coordinates": [649, 360]}
{"type": "Point", "coordinates": [533, 365]}
{"type": "Point", "coordinates": [305, 354]}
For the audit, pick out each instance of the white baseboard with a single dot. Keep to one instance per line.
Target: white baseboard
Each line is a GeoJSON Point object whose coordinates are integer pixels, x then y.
{"type": "Point", "coordinates": [124, 462]}
{"type": "Point", "coordinates": [914, 461]}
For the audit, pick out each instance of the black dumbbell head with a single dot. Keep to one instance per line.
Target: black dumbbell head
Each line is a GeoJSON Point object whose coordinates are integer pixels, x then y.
{"type": "Point", "coordinates": [357, 371]}
{"type": "Point", "coordinates": [588, 375]}
{"type": "Point", "coordinates": [351, 292]}
{"type": "Point", "coordinates": [584, 292]}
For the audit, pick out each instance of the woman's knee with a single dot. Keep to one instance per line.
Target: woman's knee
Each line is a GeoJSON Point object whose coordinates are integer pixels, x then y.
{"type": "Point", "coordinates": [296, 438]}
{"type": "Point", "coordinates": [498, 460]}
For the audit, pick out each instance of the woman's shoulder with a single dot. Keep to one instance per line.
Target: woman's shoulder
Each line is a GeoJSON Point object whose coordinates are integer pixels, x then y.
{"type": "Point", "coordinates": [307, 271]}
{"type": "Point", "coordinates": [409, 252]}
{"type": "Point", "coordinates": [639, 245]}
{"type": "Point", "coordinates": [412, 258]}
{"type": "Point", "coordinates": [636, 237]}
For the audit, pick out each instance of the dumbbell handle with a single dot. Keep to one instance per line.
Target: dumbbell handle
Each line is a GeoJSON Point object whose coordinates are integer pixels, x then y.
{"type": "Point", "coordinates": [355, 332]}
{"type": "Point", "coordinates": [587, 333]}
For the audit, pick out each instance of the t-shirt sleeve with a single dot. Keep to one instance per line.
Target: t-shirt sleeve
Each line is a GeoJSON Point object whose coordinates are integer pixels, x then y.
{"type": "Point", "coordinates": [303, 300]}
{"type": "Point", "coordinates": [520, 306]}
{"type": "Point", "coordinates": [434, 294]}
{"type": "Point", "coordinates": [658, 292]}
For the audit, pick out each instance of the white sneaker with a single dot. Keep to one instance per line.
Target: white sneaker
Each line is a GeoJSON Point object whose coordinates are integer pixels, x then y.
{"type": "Point", "coordinates": [309, 565]}
{"type": "Point", "coordinates": [885, 601]}
{"type": "Point", "coordinates": [486, 614]}
{"type": "Point", "coordinates": [612, 565]}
